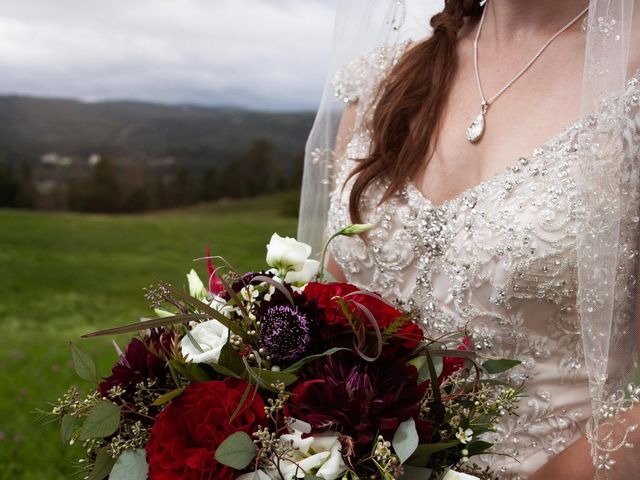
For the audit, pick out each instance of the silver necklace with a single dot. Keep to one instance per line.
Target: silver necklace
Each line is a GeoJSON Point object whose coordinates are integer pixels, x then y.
{"type": "Point", "coordinates": [477, 127]}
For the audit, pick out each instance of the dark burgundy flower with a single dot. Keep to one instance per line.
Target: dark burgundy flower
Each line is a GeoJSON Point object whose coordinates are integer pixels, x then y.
{"type": "Point", "coordinates": [357, 398]}
{"type": "Point", "coordinates": [189, 430]}
{"type": "Point", "coordinates": [284, 333]}
{"type": "Point", "coordinates": [143, 359]}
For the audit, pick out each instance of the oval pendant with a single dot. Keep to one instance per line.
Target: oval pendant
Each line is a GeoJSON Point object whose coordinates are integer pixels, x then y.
{"type": "Point", "coordinates": [476, 129]}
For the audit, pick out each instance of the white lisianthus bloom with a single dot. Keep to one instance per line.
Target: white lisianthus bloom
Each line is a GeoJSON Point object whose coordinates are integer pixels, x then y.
{"type": "Point", "coordinates": [210, 337]}
{"type": "Point", "coordinates": [304, 276]}
{"type": "Point", "coordinates": [453, 475]}
{"type": "Point", "coordinates": [318, 455]}
{"type": "Point", "coordinates": [287, 254]}
{"type": "Point", "coordinates": [196, 287]}
{"type": "Point", "coordinates": [221, 305]}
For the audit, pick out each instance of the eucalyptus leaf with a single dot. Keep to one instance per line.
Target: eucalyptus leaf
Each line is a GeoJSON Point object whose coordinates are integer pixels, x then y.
{"type": "Point", "coordinates": [405, 440]}
{"type": "Point", "coordinates": [167, 397]}
{"type": "Point", "coordinates": [236, 451]}
{"type": "Point", "coordinates": [68, 426]}
{"type": "Point", "coordinates": [131, 465]}
{"type": "Point", "coordinates": [83, 364]}
{"type": "Point", "coordinates": [499, 365]}
{"type": "Point", "coordinates": [102, 465]}
{"type": "Point", "coordinates": [423, 452]}
{"type": "Point", "coordinates": [103, 420]}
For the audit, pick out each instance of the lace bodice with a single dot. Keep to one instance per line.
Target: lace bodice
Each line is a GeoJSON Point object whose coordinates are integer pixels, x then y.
{"type": "Point", "coordinates": [499, 259]}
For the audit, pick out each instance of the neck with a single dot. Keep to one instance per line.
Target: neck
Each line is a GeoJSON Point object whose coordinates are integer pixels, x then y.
{"type": "Point", "coordinates": [517, 19]}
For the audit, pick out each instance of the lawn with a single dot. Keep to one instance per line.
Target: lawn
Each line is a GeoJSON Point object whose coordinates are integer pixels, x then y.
{"type": "Point", "coordinates": [62, 275]}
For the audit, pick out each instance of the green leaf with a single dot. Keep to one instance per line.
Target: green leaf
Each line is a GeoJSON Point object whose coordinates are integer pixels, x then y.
{"type": "Point", "coordinates": [131, 465]}
{"type": "Point", "coordinates": [236, 451]}
{"type": "Point", "coordinates": [68, 427]}
{"type": "Point", "coordinates": [151, 323]}
{"type": "Point", "coordinates": [265, 378]}
{"type": "Point", "coordinates": [102, 465]}
{"type": "Point", "coordinates": [103, 420]}
{"type": "Point", "coordinates": [423, 453]}
{"type": "Point", "coordinates": [167, 397]}
{"type": "Point", "coordinates": [222, 370]}
{"type": "Point", "coordinates": [230, 359]}
{"type": "Point", "coordinates": [311, 477]}
{"type": "Point", "coordinates": [190, 371]}
{"type": "Point", "coordinates": [303, 361]}
{"type": "Point", "coordinates": [83, 364]}
{"type": "Point", "coordinates": [405, 440]}
{"type": "Point", "coordinates": [499, 365]}
{"type": "Point", "coordinates": [478, 446]}
{"type": "Point", "coordinates": [415, 473]}
{"type": "Point", "coordinates": [437, 407]}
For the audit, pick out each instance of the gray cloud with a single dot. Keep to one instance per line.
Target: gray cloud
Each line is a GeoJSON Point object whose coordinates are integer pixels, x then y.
{"type": "Point", "coordinates": [252, 53]}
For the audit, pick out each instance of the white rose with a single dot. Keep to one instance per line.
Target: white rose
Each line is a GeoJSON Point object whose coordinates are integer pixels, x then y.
{"type": "Point", "coordinates": [304, 276]}
{"type": "Point", "coordinates": [210, 337]}
{"type": "Point", "coordinates": [286, 253]}
{"type": "Point", "coordinates": [319, 455]}
{"type": "Point", "coordinates": [196, 287]}
{"type": "Point", "coordinates": [453, 475]}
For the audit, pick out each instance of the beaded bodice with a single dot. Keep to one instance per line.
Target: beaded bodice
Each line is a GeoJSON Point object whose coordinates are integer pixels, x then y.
{"type": "Point", "coordinates": [498, 259]}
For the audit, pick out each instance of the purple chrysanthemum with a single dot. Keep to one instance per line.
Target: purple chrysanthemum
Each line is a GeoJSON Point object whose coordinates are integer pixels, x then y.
{"type": "Point", "coordinates": [284, 333]}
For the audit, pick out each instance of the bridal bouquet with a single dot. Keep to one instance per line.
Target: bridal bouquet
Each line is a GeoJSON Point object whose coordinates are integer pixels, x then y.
{"type": "Point", "coordinates": [275, 374]}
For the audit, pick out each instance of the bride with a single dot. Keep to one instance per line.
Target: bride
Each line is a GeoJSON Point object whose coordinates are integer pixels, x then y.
{"type": "Point", "coordinates": [497, 155]}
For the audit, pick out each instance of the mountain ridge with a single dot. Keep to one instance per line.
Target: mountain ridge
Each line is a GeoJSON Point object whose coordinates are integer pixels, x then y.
{"type": "Point", "coordinates": [195, 136]}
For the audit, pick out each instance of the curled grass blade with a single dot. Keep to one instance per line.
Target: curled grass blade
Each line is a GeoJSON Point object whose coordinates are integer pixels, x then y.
{"type": "Point", "coordinates": [281, 288]}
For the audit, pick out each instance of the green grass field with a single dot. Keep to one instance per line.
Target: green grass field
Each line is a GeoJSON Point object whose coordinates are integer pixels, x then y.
{"type": "Point", "coordinates": [62, 275]}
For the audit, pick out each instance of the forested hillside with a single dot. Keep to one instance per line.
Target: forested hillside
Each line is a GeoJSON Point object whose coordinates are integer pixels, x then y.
{"type": "Point", "coordinates": [129, 156]}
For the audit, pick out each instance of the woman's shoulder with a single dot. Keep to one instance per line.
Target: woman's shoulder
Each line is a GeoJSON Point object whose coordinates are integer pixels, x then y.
{"type": "Point", "coordinates": [360, 77]}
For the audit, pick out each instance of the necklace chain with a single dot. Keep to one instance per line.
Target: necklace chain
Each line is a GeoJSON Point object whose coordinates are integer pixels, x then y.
{"type": "Point", "coordinates": [526, 67]}
{"type": "Point", "coordinates": [476, 129]}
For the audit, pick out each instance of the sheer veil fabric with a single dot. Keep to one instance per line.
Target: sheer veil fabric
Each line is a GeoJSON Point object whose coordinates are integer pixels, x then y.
{"type": "Point", "coordinates": [608, 185]}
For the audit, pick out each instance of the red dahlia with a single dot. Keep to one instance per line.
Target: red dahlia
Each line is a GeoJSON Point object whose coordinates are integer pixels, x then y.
{"type": "Point", "coordinates": [188, 431]}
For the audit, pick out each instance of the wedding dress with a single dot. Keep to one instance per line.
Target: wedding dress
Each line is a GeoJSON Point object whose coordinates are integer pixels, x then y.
{"type": "Point", "coordinates": [498, 259]}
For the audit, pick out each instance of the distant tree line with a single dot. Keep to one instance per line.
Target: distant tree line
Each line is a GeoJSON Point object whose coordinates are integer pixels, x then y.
{"type": "Point", "coordinates": [112, 187]}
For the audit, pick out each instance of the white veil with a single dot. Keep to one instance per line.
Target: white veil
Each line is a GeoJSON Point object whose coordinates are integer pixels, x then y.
{"type": "Point", "coordinates": [607, 180]}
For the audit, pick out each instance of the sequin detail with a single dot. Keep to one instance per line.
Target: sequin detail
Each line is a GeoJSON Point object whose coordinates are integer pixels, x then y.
{"type": "Point", "coordinates": [499, 259]}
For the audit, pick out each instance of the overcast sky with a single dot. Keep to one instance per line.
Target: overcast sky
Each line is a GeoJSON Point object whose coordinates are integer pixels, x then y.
{"type": "Point", "coordinates": [251, 53]}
